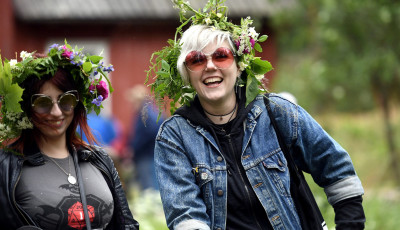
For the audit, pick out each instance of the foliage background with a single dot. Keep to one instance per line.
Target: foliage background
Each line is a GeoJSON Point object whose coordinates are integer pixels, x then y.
{"type": "Point", "coordinates": [341, 61]}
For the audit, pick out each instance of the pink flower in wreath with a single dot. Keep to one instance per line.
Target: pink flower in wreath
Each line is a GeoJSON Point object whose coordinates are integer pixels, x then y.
{"type": "Point", "coordinates": [252, 42]}
{"type": "Point", "coordinates": [101, 89]}
{"type": "Point", "coordinates": [67, 52]}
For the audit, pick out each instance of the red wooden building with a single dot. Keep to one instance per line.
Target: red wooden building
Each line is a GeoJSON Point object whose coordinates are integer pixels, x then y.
{"type": "Point", "coordinates": [127, 31]}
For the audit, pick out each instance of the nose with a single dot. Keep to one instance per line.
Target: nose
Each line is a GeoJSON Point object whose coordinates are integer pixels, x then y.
{"type": "Point", "coordinates": [210, 64]}
{"type": "Point", "coordinates": [55, 110]}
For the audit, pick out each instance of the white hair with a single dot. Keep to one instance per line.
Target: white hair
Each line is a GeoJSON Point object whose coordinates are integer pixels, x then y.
{"type": "Point", "coordinates": [197, 37]}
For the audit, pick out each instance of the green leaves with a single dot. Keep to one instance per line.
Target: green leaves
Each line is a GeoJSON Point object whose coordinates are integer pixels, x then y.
{"type": "Point", "coordinates": [168, 85]}
{"type": "Point", "coordinates": [11, 92]}
{"type": "Point", "coordinates": [87, 67]}
{"type": "Point", "coordinates": [252, 87]}
{"type": "Point", "coordinates": [262, 38]}
{"type": "Point", "coordinates": [260, 66]}
{"type": "Point", "coordinates": [95, 59]}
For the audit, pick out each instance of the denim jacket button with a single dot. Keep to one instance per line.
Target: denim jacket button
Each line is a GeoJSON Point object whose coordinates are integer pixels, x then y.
{"type": "Point", "coordinates": [280, 163]}
{"type": "Point", "coordinates": [220, 192]}
{"type": "Point", "coordinates": [219, 158]}
{"type": "Point", "coordinates": [204, 176]}
{"type": "Point", "coordinates": [219, 228]}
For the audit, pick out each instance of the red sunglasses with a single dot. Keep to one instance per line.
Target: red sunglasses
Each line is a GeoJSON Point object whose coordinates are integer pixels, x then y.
{"type": "Point", "coordinates": [222, 58]}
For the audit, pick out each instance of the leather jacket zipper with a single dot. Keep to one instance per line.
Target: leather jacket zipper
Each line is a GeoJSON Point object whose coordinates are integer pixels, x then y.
{"type": "Point", "coordinates": [13, 194]}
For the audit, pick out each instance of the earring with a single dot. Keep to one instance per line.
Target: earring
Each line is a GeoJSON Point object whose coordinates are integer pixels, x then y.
{"type": "Point", "coordinates": [237, 88]}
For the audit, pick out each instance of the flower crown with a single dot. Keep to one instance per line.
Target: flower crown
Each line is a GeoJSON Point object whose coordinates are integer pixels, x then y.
{"type": "Point", "coordinates": [168, 81]}
{"type": "Point", "coordinates": [86, 70]}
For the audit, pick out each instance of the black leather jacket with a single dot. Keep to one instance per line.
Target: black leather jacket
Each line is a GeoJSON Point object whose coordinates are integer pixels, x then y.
{"type": "Point", "coordinates": [12, 216]}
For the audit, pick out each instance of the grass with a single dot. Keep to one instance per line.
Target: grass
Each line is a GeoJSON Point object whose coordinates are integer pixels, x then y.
{"type": "Point", "coordinates": [362, 135]}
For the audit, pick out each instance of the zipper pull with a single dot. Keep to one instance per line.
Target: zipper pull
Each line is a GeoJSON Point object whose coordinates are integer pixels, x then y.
{"type": "Point", "coordinates": [227, 169]}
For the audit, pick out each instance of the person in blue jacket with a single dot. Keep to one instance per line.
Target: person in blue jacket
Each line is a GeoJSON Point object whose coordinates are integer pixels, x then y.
{"type": "Point", "coordinates": [218, 160]}
{"type": "Point", "coordinates": [142, 139]}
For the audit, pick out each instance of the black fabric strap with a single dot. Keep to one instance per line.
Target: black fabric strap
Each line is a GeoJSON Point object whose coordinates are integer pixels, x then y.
{"type": "Point", "coordinates": [307, 208]}
{"type": "Point", "coordinates": [29, 228]}
{"type": "Point", "coordinates": [291, 163]}
{"type": "Point", "coordinates": [81, 189]}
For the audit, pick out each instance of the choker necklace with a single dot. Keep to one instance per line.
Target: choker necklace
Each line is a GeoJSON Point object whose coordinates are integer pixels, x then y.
{"type": "Point", "coordinates": [222, 115]}
{"type": "Point", "coordinates": [71, 179]}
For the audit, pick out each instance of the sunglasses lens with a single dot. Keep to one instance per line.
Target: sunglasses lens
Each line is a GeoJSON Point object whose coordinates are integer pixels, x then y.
{"type": "Point", "coordinates": [42, 104]}
{"type": "Point", "coordinates": [67, 102]}
{"type": "Point", "coordinates": [223, 58]}
{"type": "Point", "coordinates": [196, 61]}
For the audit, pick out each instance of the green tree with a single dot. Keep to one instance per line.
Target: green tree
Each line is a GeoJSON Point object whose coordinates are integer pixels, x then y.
{"type": "Point", "coordinates": [347, 53]}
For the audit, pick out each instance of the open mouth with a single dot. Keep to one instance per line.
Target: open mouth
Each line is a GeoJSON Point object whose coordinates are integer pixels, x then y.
{"type": "Point", "coordinates": [55, 123]}
{"type": "Point", "coordinates": [213, 81]}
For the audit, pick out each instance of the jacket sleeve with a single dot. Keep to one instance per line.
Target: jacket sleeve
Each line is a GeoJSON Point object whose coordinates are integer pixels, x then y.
{"type": "Point", "coordinates": [349, 214]}
{"type": "Point", "coordinates": [317, 153]}
{"type": "Point", "coordinates": [183, 207]}
{"type": "Point", "coordinates": [124, 218]}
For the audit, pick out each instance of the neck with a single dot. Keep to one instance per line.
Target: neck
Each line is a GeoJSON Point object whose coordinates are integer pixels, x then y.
{"type": "Point", "coordinates": [54, 148]}
{"type": "Point", "coordinates": [221, 114]}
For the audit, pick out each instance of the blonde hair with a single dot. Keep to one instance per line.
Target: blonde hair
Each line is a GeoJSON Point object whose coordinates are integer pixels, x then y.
{"type": "Point", "coordinates": [197, 37]}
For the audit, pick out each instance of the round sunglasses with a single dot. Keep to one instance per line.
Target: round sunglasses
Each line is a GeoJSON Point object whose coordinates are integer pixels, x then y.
{"type": "Point", "coordinates": [42, 103]}
{"type": "Point", "coordinates": [222, 58]}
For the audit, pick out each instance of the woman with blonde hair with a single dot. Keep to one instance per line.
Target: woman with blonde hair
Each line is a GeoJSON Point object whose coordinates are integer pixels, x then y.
{"type": "Point", "coordinates": [220, 161]}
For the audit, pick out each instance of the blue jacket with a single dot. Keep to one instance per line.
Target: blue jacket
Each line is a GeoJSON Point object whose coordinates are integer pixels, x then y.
{"type": "Point", "coordinates": [192, 172]}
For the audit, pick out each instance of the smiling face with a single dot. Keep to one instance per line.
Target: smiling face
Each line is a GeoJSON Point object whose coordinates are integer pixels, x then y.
{"type": "Point", "coordinates": [53, 125]}
{"type": "Point", "coordinates": [215, 86]}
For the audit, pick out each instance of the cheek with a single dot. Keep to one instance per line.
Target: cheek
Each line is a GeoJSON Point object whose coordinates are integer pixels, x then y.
{"type": "Point", "coordinates": [36, 118]}
{"type": "Point", "coordinates": [70, 118]}
{"type": "Point", "coordinates": [193, 77]}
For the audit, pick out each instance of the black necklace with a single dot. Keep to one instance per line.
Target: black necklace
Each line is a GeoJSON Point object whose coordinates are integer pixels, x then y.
{"type": "Point", "coordinates": [221, 115]}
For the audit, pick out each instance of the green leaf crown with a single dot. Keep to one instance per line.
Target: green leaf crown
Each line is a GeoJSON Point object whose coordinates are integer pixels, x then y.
{"type": "Point", "coordinates": [88, 72]}
{"type": "Point", "coordinates": [168, 82]}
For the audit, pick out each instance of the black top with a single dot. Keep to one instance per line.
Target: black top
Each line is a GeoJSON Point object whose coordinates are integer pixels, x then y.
{"type": "Point", "coordinates": [244, 210]}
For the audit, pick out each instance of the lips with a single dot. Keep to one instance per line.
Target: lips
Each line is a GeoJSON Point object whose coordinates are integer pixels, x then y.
{"type": "Point", "coordinates": [212, 81]}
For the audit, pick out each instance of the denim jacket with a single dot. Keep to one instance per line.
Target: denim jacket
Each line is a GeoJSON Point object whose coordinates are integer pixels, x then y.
{"type": "Point", "coordinates": [192, 172]}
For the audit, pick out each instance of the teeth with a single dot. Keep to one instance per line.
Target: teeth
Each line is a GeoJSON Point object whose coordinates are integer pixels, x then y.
{"type": "Point", "coordinates": [55, 122]}
{"type": "Point", "coordinates": [212, 80]}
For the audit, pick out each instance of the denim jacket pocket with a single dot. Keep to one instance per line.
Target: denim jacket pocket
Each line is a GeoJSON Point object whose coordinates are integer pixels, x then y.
{"type": "Point", "coordinates": [204, 178]}
{"type": "Point", "coordinates": [276, 168]}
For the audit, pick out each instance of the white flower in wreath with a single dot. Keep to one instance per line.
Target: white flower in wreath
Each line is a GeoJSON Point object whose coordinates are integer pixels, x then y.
{"type": "Point", "coordinates": [12, 116]}
{"type": "Point", "coordinates": [242, 66]}
{"type": "Point", "coordinates": [259, 77]}
{"type": "Point", "coordinates": [208, 21]}
{"type": "Point", "coordinates": [13, 62]}
{"type": "Point", "coordinates": [24, 55]}
{"type": "Point", "coordinates": [25, 123]}
{"type": "Point", "coordinates": [2, 129]}
{"type": "Point", "coordinates": [252, 32]}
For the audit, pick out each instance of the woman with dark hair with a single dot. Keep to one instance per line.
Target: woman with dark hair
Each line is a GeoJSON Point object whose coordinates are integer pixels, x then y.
{"type": "Point", "coordinates": [51, 178]}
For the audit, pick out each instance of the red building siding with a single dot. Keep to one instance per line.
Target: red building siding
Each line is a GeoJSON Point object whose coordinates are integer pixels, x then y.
{"type": "Point", "coordinates": [131, 45]}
